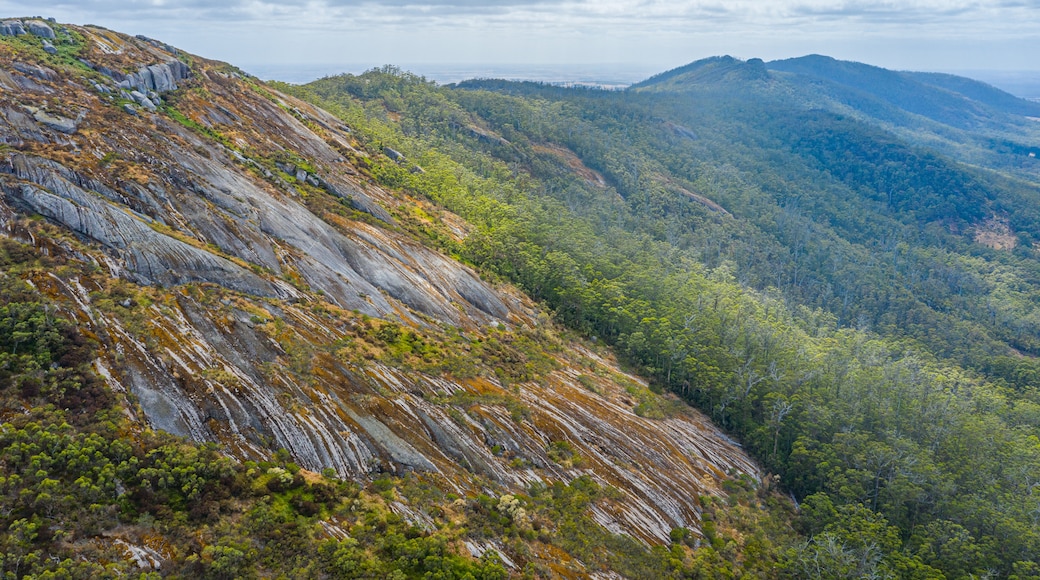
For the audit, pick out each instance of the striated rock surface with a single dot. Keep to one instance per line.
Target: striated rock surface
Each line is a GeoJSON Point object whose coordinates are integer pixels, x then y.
{"type": "Point", "coordinates": [276, 301]}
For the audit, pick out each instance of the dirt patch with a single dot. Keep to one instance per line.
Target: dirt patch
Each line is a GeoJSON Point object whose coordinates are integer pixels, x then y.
{"type": "Point", "coordinates": [996, 233]}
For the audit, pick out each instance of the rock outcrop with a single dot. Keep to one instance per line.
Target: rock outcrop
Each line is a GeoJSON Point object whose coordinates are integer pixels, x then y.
{"type": "Point", "coordinates": [56, 122]}
{"type": "Point", "coordinates": [41, 29]}
{"type": "Point", "coordinates": [232, 208]}
{"type": "Point", "coordinates": [40, 72]}
{"type": "Point", "coordinates": [160, 78]}
{"type": "Point", "coordinates": [12, 28]}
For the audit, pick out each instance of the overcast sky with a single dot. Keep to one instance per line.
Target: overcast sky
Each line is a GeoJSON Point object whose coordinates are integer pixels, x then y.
{"type": "Point", "coordinates": [934, 35]}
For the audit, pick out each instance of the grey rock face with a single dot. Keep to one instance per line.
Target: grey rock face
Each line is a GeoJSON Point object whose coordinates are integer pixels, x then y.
{"type": "Point", "coordinates": [159, 77]}
{"type": "Point", "coordinates": [17, 127]}
{"type": "Point", "coordinates": [56, 122]}
{"type": "Point", "coordinates": [142, 100]}
{"type": "Point", "coordinates": [112, 74]}
{"type": "Point", "coordinates": [40, 72]}
{"type": "Point", "coordinates": [49, 48]}
{"type": "Point", "coordinates": [360, 203]}
{"type": "Point", "coordinates": [40, 28]}
{"type": "Point", "coordinates": [150, 257]}
{"type": "Point", "coordinates": [158, 44]}
{"type": "Point", "coordinates": [11, 28]}
{"type": "Point", "coordinates": [27, 84]}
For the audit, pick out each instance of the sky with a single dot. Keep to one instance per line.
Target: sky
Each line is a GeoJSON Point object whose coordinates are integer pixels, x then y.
{"type": "Point", "coordinates": [637, 36]}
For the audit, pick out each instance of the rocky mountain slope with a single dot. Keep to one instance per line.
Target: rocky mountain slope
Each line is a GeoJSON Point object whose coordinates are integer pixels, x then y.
{"type": "Point", "coordinates": [251, 286]}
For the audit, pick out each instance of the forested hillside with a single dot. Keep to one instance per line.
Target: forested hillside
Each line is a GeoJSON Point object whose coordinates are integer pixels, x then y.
{"type": "Point", "coordinates": [828, 277]}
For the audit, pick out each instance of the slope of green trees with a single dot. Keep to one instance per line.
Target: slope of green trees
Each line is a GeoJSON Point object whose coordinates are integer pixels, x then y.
{"type": "Point", "coordinates": [835, 313]}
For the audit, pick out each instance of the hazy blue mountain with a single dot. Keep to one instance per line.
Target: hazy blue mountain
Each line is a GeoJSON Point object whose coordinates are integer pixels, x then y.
{"type": "Point", "coordinates": [979, 91]}
{"type": "Point", "coordinates": [708, 71]}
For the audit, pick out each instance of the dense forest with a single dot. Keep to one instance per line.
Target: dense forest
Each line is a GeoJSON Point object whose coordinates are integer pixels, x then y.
{"type": "Point", "coordinates": [853, 300]}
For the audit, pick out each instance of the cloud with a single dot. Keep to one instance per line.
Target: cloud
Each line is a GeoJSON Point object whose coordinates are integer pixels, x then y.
{"type": "Point", "coordinates": [944, 32]}
{"type": "Point", "coordinates": [633, 14]}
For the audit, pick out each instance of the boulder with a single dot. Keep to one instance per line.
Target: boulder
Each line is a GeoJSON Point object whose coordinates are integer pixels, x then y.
{"type": "Point", "coordinates": [142, 100]}
{"type": "Point", "coordinates": [40, 28]}
{"type": "Point", "coordinates": [158, 77]}
{"type": "Point", "coordinates": [162, 78]}
{"type": "Point", "coordinates": [11, 28]}
{"type": "Point", "coordinates": [49, 48]}
{"type": "Point", "coordinates": [55, 122]}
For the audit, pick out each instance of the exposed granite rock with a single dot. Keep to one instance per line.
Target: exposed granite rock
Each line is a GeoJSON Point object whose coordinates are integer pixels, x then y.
{"type": "Point", "coordinates": [49, 48]}
{"type": "Point", "coordinates": [221, 116]}
{"type": "Point", "coordinates": [17, 127]}
{"type": "Point", "coordinates": [389, 443]}
{"type": "Point", "coordinates": [159, 77]}
{"type": "Point", "coordinates": [150, 257]}
{"type": "Point", "coordinates": [56, 122]}
{"type": "Point", "coordinates": [142, 100]}
{"type": "Point", "coordinates": [12, 28]}
{"type": "Point", "coordinates": [40, 72]}
{"type": "Point", "coordinates": [27, 84]}
{"type": "Point", "coordinates": [40, 28]}
{"type": "Point", "coordinates": [394, 154]}
{"type": "Point", "coordinates": [360, 202]}
{"type": "Point", "coordinates": [158, 44]}
{"type": "Point", "coordinates": [110, 73]}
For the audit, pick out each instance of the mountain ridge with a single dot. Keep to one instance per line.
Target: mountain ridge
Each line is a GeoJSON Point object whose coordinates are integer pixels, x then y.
{"type": "Point", "coordinates": [249, 284]}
